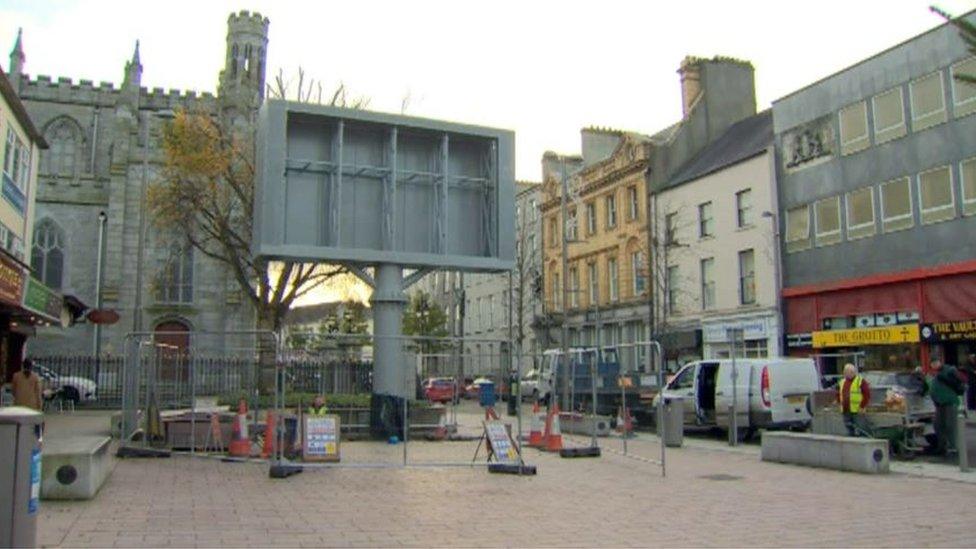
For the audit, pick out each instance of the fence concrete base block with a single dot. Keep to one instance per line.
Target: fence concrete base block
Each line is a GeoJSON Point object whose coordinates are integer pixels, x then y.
{"type": "Point", "coordinates": [862, 455]}
{"type": "Point", "coordinates": [509, 469]}
{"type": "Point", "coordinates": [284, 471]}
{"type": "Point", "coordinates": [591, 451]}
{"type": "Point", "coordinates": [580, 424]}
{"type": "Point", "coordinates": [75, 467]}
{"type": "Point", "coordinates": [137, 452]}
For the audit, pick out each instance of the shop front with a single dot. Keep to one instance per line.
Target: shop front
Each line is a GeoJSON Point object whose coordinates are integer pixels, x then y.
{"type": "Point", "coordinates": [895, 321]}
{"type": "Point", "coordinates": [758, 337]}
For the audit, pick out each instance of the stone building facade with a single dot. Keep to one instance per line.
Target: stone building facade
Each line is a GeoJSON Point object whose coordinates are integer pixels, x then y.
{"type": "Point", "coordinates": [608, 273]}
{"type": "Point", "coordinates": [105, 150]}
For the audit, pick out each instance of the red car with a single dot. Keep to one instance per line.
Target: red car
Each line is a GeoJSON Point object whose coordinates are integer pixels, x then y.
{"type": "Point", "coordinates": [440, 389]}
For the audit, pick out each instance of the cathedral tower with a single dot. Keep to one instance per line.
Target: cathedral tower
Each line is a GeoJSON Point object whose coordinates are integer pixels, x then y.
{"type": "Point", "coordinates": [241, 87]}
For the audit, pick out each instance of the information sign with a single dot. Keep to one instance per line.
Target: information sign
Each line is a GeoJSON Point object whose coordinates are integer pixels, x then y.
{"type": "Point", "coordinates": [500, 442]}
{"type": "Point", "coordinates": [320, 440]}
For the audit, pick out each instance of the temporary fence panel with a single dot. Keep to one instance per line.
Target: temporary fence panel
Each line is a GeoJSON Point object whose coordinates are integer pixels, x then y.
{"type": "Point", "coordinates": [181, 390]}
{"type": "Point", "coordinates": [86, 381]}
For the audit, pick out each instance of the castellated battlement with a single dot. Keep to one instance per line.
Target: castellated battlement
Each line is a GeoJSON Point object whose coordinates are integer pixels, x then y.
{"type": "Point", "coordinates": [243, 19]}
{"type": "Point", "coordinates": [63, 89]}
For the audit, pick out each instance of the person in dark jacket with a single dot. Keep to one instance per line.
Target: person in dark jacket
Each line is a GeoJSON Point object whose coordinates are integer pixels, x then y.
{"type": "Point", "coordinates": [970, 370]}
{"type": "Point", "coordinates": [945, 388]}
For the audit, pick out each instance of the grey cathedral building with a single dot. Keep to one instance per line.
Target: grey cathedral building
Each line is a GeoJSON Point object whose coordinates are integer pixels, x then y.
{"type": "Point", "coordinates": [105, 150]}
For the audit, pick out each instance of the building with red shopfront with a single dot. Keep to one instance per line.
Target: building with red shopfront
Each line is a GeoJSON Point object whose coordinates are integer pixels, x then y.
{"type": "Point", "coordinates": [897, 320]}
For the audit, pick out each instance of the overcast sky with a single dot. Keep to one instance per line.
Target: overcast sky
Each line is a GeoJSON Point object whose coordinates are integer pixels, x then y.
{"type": "Point", "coordinates": [543, 69]}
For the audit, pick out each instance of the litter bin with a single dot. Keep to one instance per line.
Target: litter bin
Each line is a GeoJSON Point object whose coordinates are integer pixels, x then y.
{"type": "Point", "coordinates": [20, 477]}
{"type": "Point", "coordinates": [674, 426]}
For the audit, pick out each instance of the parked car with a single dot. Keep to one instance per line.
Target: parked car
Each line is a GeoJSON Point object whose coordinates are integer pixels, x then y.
{"type": "Point", "coordinates": [73, 388]}
{"type": "Point", "coordinates": [770, 392]}
{"type": "Point", "coordinates": [440, 389]}
{"type": "Point", "coordinates": [534, 387]}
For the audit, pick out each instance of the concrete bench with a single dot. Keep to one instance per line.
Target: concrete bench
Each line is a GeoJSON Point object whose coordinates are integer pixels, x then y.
{"type": "Point", "coordinates": [74, 467]}
{"type": "Point", "coordinates": [863, 455]}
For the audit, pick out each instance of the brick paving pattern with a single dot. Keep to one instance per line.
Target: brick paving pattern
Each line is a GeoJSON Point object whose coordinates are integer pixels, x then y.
{"type": "Point", "coordinates": [612, 501]}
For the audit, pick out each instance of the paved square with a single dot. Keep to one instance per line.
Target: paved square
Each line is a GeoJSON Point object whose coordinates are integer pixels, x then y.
{"type": "Point", "coordinates": [710, 497]}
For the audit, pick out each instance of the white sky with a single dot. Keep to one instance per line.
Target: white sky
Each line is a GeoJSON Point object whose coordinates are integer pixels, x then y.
{"type": "Point", "coordinates": [541, 68]}
{"type": "Point", "coordinates": [544, 69]}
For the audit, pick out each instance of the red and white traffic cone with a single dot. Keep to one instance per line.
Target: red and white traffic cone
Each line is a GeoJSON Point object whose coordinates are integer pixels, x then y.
{"type": "Point", "coordinates": [536, 439]}
{"type": "Point", "coordinates": [240, 444]}
{"type": "Point", "coordinates": [554, 435]}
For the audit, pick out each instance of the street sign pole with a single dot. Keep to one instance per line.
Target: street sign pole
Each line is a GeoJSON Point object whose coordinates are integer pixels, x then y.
{"type": "Point", "coordinates": [733, 335]}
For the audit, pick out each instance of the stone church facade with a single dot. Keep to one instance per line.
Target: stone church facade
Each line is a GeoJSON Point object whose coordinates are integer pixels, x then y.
{"type": "Point", "coordinates": [105, 150]}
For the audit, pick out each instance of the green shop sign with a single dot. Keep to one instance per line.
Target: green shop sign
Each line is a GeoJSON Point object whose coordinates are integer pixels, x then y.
{"type": "Point", "coordinates": [42, 300]}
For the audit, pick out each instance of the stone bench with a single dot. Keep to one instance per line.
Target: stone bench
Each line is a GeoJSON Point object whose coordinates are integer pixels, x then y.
{"type": "Point", "coordinates": [863, 455]}
{"type": "Point", "coordinates": [74, 467]}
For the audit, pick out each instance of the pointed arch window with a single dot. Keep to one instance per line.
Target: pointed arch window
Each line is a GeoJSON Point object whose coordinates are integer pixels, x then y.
{"type": "Point", "coordinates": [175, 278]}
{"type": "Point", "coordinates": [63, 139]}
{"type": "Point", "coordinates": [47, 254]}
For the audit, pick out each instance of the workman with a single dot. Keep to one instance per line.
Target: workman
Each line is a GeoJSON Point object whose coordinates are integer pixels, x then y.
{"type": "Point", "coordinates": [854, 395]}
{"type": "Point", "coordinates": [26, 387]}
{"type": "Point", "coordinates": [318, 407]}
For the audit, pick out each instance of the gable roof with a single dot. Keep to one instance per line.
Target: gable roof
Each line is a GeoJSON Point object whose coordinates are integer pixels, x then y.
{"type": "Point", "coordinates": [745, 139]}
{"type": "Point", "coordinates": [20, 113]}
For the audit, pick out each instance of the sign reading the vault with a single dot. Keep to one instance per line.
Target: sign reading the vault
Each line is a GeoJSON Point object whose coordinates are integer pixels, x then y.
{"type": "Point", "coordinates": [886, 335]}
{"type": "Point", "coordinates": [956, 330]}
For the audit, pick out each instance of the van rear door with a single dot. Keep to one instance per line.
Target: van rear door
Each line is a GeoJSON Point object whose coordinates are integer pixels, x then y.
{"type": "Point", "coordinates": [723, 392]}
{"type": "Point", "coordinates": [790, 383]}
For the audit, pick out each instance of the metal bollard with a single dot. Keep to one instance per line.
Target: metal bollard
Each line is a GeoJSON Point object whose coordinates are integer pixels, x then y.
{"type": "Point", "coordinates": [961, 441]}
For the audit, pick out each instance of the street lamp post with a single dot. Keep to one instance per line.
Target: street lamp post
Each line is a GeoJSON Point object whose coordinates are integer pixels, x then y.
{"type": "Point", "coordinates": [97, 343]}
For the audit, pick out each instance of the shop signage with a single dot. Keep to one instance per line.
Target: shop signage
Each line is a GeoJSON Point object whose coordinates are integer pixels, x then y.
{"type": "Point", "coordinates": [751, 329]}
{"type": "Point", "coordinates": [799, 341]}
{"type": "Point", "coordinates": [885, 335]}
{"type": "Point", "coordinates": [956, 330]}
{"type": "Point", "coordinates": [13, 194]}
{"type": "Point", "coordinates": [43, 301]}
{"type": "Point", "coordinates": [11, 281]}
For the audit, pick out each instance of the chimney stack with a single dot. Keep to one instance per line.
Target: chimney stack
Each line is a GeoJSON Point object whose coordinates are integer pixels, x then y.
{"type": "Point", "coordinates": [690, 71]}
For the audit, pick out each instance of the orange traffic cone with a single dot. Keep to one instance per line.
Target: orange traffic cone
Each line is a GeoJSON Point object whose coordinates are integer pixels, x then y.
{"type": "Point", "coordinates": [554, 435]}
{"type": "Point", "coordinates": [269, 437]}
{"type": "Point", "coordinates": [240, 444]}
{"type": "Point", "coordinates": [535, 429]}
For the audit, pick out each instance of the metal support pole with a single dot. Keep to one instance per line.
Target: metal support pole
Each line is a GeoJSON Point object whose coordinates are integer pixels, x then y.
{"type": "Point", "coordinates": [733, 412]}
{"type": "Point", "coordinates": [594, 369]}
{"type": "Point", "coordinates": [565, 288]}
{"type": "Point", "coordinates": [388, 303]}
{"type": "Point", "coordinates": [961, 447]}
{"type": "Point", "coordinates": [660, 400]}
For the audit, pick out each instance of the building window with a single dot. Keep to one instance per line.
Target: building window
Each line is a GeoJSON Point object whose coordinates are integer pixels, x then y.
{"type": "Point", "coordinates": [670, 229]}
{"type": "Point", "coordinates": [11, 242]}
{"type": "Point", "coordinates": [533, 210]}
{"type": "Point", "coordinates": [571, 229]}
{"type": "Point", "coordinates": [826, 214]}
{"type": "Point", "coordinates": [673, 279]}
{"type": "Point", "coordinates": [896, 205]}
{"type": "Point", "coordinates": [706, 224]}
{"type": "Point", "coordinates": [889, 115]}
{"type": "Point", "coordinates": [963, 93]}
{"type": "Point", "coordinates": [590, 218]}
{"type": "Point", "coordinates": [557, 292]}
{"type": "Point", "coordinates": [611, 202]}
{"type": "Point", "coordinates": [747, 277]}
{"type": "Point", "coordinates": [860, 213]}
{"type": "Point", "coordinates": [62, 155]}
{"type": "Point", "coordinates": [935, 197]}
{"type": "Point", "coordinates": [798, 228]}
{"type": "Point", "coordinates": [634, 203]}
{"type": "Point", "coordinates": [594, 281]}
{"type": "Point", "coordinates": [854, 128]}
{"type": "Point", "coordinates": [708, 283]}
{"type": "Point", "coordinates": [11, 157]}
{"type": "Point", "coordinates": [175, 283]}
{"type": "Point", "coordinates": [743, 208]}
{"type": "Point", "coordinates": [553, 232]}
{"type": "Point", "coordinates": [752, 348]}
{"type": "Point", "coordinates": [574, 287]}
{"type": "Point", "coordinates": [47, 254]}
{"type": "Point", "coordinates": [491, 312]}
{"type": "Point", "coordinates": [612, 275]}
{"type": "Point", "coordinates": [968, 171]}
{"type": "Point", "coordinates": [637, 267]}
{"type": "Point", "coordinates": [928, 101]}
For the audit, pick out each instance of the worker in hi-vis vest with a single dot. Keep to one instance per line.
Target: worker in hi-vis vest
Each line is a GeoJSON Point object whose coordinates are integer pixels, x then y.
{"type": "Point", "coordinates": [854, 395]}
{"type": "Point", "coordinates": [318, 407]}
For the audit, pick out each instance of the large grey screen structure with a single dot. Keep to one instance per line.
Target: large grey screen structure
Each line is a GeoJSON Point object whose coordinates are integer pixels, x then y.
{"type": "Point", "coordinates": [345, 185]}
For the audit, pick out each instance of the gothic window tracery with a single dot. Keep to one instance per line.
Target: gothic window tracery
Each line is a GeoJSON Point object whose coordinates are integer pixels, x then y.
{"type": "Point", "coordinates": [47, 254]}
{"type": "Point", "coordinates": [64, 139]}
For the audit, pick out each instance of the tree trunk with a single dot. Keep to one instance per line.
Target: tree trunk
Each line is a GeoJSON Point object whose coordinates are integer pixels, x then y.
{"type": "Point", "coordinates": [267, 348]}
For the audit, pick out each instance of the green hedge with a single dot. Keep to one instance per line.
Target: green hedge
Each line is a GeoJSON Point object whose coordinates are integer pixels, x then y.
{"type": "Point", "coordinates": [293, 400]}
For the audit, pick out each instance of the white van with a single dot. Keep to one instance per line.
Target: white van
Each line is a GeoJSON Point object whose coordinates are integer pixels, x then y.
{"type": "Point", "coordinates": [771, 392]}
